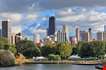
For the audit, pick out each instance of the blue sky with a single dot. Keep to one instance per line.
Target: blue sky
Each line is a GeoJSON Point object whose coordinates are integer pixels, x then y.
{"type": "Point", "coordinates": [31, 16]}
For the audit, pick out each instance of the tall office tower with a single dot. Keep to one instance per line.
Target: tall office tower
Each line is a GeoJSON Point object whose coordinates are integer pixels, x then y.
{"type": "Point", "coordinates": [61, 37]}
{"type": "Point", "coordinates": [13, 38]}
{"type": "Point", "coordinates": [84, 36]}
{"type": "Point", "coordinates": [78, 34]}
{"type": "Point", "coordinates": [90, 34]}
{"type": "Point", "coordinates": [100, 36]}
{"type": "Point", "coordinates": [0, 32]}
{"type": "Point", "coordinates": [104, 36]}
{"type": "Point", "coordinates": [104, 28]}
{"type": "Point", "coordinates": [65, 29]}
{"type": "Point", "coordinates": [5, 29]}
{"type": "Point", "coordinates": [51, 29]}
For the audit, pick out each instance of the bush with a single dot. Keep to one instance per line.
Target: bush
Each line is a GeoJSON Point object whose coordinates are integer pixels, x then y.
{"type": "Point", "coordinates": [54, 57]}
{"type": "Point", "coordinates": [28, 49]}
{"type": "Point", "coordinates": [6, 58]}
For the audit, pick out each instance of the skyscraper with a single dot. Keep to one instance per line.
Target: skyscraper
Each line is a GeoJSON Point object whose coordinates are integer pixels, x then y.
{"type": "Point", "coordinates": [5, 29]}
{"type": "Point", "coordinates": [104, 36]}
{"type": "Point", "coordinates": [78, 34]}
{"type": "Point", "coordinates": [65, 28]}
{"type": "Point", "coordinates": [84, 36]}
{"type": "Point", "coordinates": [61, 36]}
{"type": "Point", "coordinates": [51, 29]}
{"type": "Point", "coordinates": [100, 36]}
{"type": "Point", "coordinates": [104, 28]}
{"type": "Point", "coordinates": [90, 34]}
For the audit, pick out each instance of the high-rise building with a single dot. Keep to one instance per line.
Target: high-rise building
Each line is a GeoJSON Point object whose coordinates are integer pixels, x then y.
{"type": "Point", "coordinates": [104, 36]}
{"type": "Point", "coordinates": [13, 38]}
{"type": "Point", "coordinates": [0, 32]}
{"type": "Point", "coordinates": [100, 36]}
{"type": "Point", "coordinates": [65, 29]}
{"type": "Point", "coordinates": [61, 37]}
{"type": "Point", "coordinates": [77, 34]}
{"type": "Point", "coordinates": [104, 28]}
{"type": "Point", "coordinates": [51, 29]}
{"type": "Point", "coordinates": [5, 29]}
{"type": "Point", "coordinates": [90, 34]}
{"type": "Point", "coordinates": [84, 36]}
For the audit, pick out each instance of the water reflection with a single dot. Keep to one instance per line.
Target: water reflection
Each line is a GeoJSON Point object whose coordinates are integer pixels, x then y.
{"type": "Point", "coordinates": [51, 67]}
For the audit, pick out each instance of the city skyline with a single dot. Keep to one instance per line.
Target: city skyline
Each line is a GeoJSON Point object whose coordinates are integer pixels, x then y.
{"type": "Point", "coordinates": [33, 16]}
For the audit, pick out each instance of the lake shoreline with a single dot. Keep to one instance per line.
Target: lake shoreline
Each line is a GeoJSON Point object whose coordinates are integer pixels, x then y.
{"type": "Point", "coordinates": [66, 62]}
{"type": "Point", "coordinates": [82, 62]}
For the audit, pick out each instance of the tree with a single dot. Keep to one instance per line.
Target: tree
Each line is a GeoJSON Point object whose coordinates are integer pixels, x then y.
{"type": "Point", "coordinates": [27, 48]}
{"type": "Point", "coordinates": [91, 49]}
{"type": "Point", "coordinates": [4, 44]}
{"type": "Point", "coordinates": [64, 50]}
{"type": "Point", "coordinates": [99, 48]}
{"type": "Point", "coordinates": [86, 51]}
{"type": "Point", "coordinates": [47, 49]}
{"type": "Point", "coordinates": [12, 48]}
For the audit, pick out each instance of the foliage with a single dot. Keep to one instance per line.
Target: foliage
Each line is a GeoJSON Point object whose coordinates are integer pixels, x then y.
{"type": "Point", "coordinates": [86, 51]}
{"type": "Point", "coordinates": [12, 48]}
{"type": "Point", "coordinates": [6, 58]}
{"type": "Point", "coordinates": [46, 50]}
{"type": "Point", "coordinates": [74, 50]}
{"type": "Point", "coordinates": [27, 48]}
{"type": "Point", "coordinates": [54, 57]}
{"type": "Point", "coordinates": [91, 49]}
{"type": "Point", "coordinates": [64, 49]}
{"type": "Point", "coordinates": [5, 45]}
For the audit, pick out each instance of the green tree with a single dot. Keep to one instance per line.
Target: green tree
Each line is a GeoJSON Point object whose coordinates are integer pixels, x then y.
{"type": "Point", "coordinates": [3, 42]}
{"type": "Point", "coordinates": [64, 50]}
{"type": "Point", "coordinates": [48, 49]}
{"type": "Point", "coordinates": [27, 48]}
{"type": "Point", "coordinates": [12, 48]}
{"type": "Point", "coordinates": [99, 48]}
{"type": "Point", "coordinates": [91, 49]}
{"type": "Point", "coordinates": [86, 51]}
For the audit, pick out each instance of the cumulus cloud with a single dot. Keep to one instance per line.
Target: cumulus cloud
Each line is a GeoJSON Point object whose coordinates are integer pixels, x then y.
{"type": "Point", "coordinates": [15, 29]}
{"type": "Point", "coordinates": [11, 16]}
{"type": "Point", "coordinates": [24, 5]}
{"type": "Point", "coordinates": [84, 18]}
{"type": "Point", "coordinates": [29, 13]}
{"type": "Point", "coordinates": [31, 16]}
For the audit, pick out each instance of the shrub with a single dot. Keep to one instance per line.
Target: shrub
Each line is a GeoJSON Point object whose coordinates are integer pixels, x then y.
{"type": "Point", "coordinates": [6, 58]}
{"type": "Point", "coordinates": [54, 57]}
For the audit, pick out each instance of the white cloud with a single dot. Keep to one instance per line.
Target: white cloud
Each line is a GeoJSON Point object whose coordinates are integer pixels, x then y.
{"type": "Point", "coordinates": [11, 16]}
{"type": "Point", "coordinates": [85, 18]}
{"type": "Point", "coordinates": [16, 29]}
{"type": "Point", "coordinates": [31, 16]}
